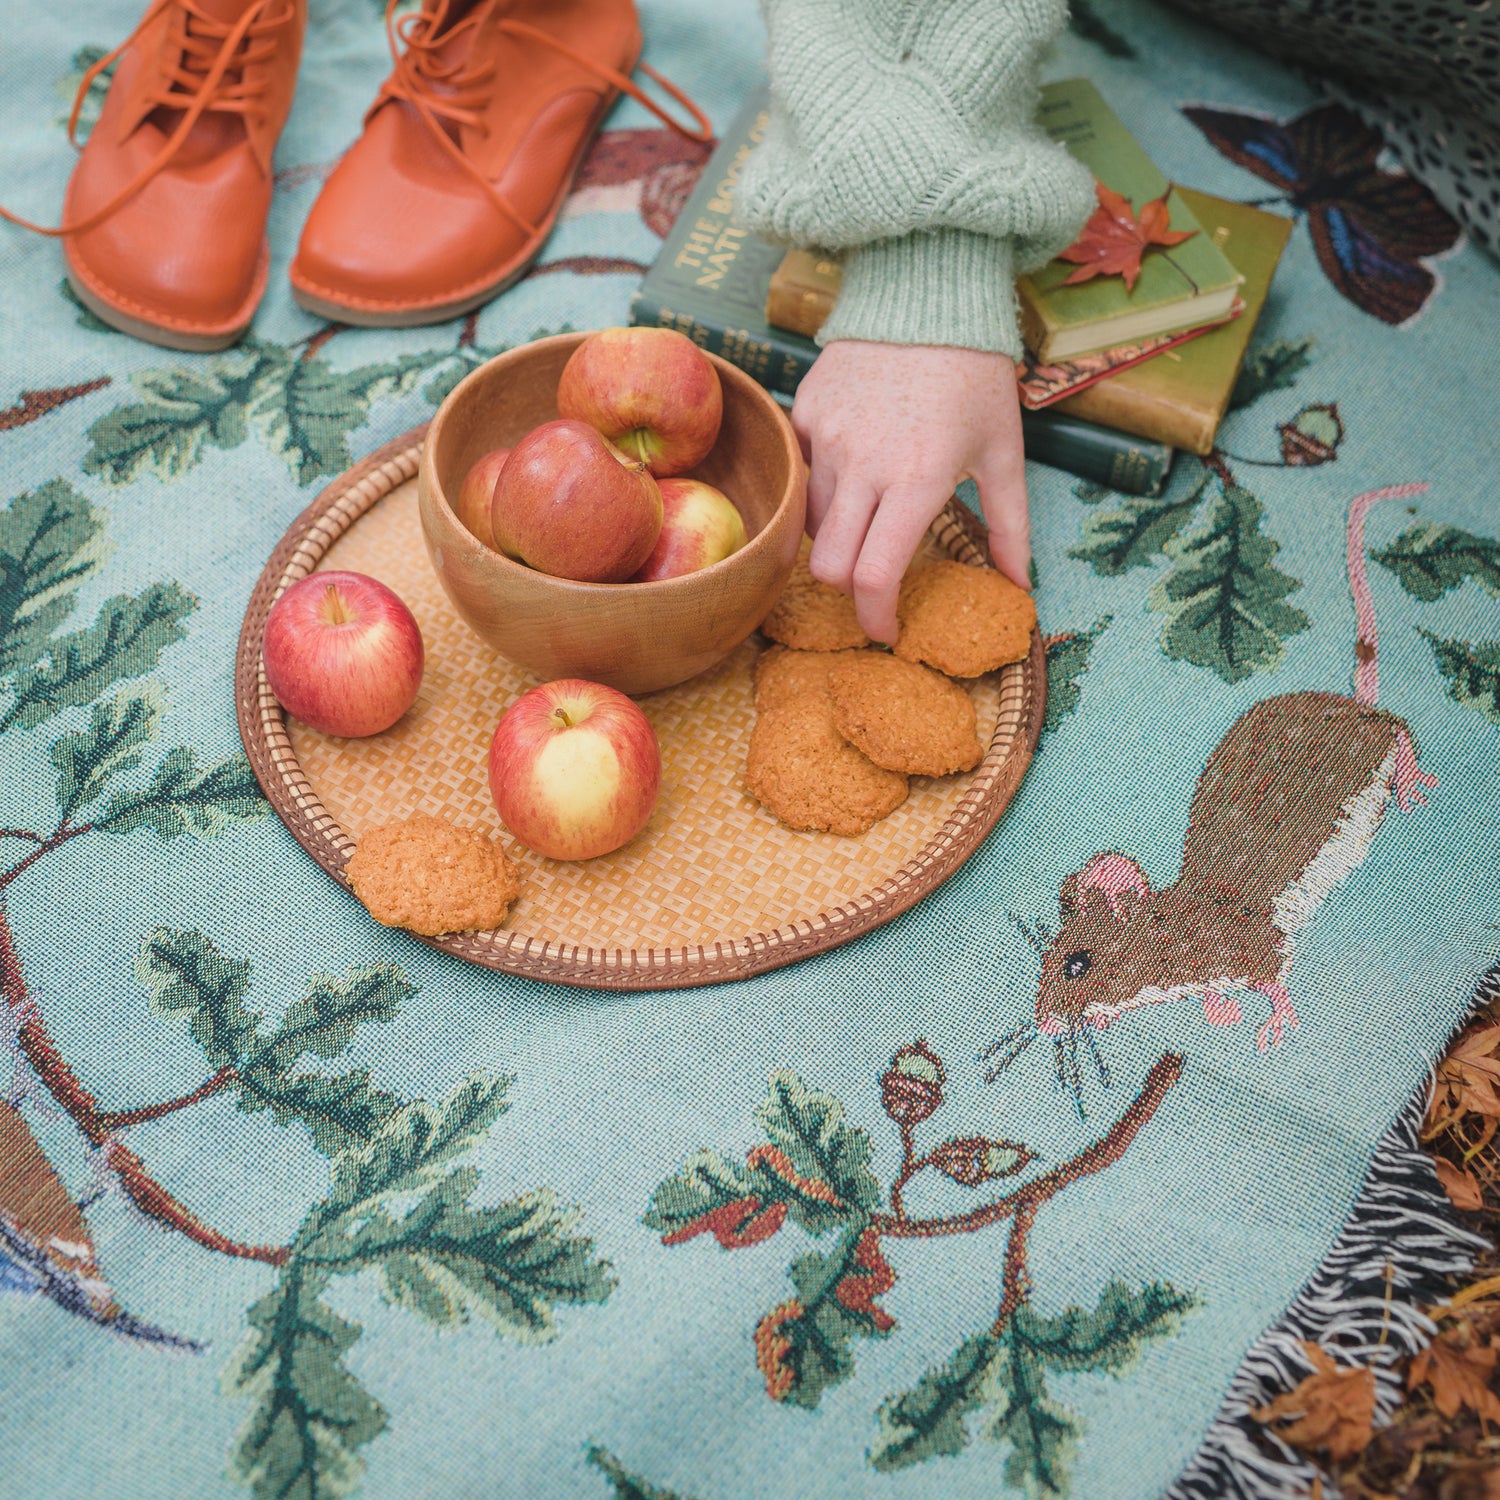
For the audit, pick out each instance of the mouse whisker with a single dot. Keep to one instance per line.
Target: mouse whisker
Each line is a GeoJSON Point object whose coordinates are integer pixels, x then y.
{"type": "Point", "coordinates": [1093, 1046]}
{"type": "Point", "coordinates": [1022, 1041]}
{"type": "Point", "coordinates": [1075, 1074]}
{"type": "Point", "coordinates": [1026, 932]}
{"type": "Point", "coordinates": [1008, 1040]}
{"type": "Point", "coordinates": [1059, 1062]}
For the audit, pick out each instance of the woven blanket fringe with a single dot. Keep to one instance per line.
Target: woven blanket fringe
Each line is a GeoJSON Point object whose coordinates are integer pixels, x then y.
{"type": "Point", "coordinates": [1363, 1305]}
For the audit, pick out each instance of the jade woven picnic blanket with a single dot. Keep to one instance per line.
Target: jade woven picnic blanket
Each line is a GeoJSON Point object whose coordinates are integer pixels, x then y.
{"type": "Point", "coordinates": [291, 1205]}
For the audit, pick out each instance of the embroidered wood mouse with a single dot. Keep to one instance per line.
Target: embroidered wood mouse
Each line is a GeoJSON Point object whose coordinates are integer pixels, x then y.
{"type": "Point", "coordinates": [1285, 810]}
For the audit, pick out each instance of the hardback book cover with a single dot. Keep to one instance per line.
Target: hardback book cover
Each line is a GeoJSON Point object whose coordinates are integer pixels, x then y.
{"type": "Point", "coordinates": [1180, 396]}
{"type": "Point", "coordinates": [1185, 286]}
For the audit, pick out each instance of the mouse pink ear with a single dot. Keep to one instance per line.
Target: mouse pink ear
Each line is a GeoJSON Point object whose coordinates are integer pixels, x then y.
{"type": "Point", "coordinates": [1112, 875]}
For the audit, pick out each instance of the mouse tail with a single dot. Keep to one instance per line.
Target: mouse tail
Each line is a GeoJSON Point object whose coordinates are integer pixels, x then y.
{"type": "Point", "coordinates": [1366, 660]}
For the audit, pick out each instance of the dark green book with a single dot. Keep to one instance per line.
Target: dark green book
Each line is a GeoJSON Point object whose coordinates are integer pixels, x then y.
{"type": "Point", "coordinates": [710, 282]}
{"type": "Point", "coordinates": [711, 277]}
{"type": "Point", "coordinates": [1102, 455]}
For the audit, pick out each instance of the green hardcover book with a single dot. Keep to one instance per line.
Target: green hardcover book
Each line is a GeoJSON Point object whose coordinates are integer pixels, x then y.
{"type": "Point", "coordinates": [1180, 397]}
{"type": "Point", "coordinates": [1188, 285]}
{"type": "Point", "coordinates": [710, 282]}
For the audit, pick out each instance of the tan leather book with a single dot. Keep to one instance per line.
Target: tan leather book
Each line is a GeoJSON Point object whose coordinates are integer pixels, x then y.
{"type": "Point", "coordinates": [1180, 395]}
{"type": "Point", "coordinates": [802, 293]}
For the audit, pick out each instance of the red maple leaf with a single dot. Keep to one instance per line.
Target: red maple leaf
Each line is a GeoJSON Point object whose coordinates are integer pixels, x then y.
{"type": "Point", "coordinates": [1114, 240]}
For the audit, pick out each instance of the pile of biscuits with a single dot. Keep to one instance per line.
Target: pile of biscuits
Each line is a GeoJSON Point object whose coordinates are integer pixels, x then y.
{"type": "Point", "coordinates": [841, 725]}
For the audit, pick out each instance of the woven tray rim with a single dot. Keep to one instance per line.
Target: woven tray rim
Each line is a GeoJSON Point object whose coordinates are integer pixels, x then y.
{"type": "Point", "coordinates": [286, 786]}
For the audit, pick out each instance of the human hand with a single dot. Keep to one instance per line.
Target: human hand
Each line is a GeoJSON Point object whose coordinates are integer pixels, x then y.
{"type": "Point", "coordinates": [888, 431]}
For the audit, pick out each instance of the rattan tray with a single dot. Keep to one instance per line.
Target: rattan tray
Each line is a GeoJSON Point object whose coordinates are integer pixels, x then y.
{"type": "Point", "coordinates": [715, 888]}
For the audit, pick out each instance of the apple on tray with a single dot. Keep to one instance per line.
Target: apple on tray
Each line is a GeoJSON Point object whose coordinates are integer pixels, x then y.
{"type": "Point", "coordinates": [700, 526]}
{"type": "Point", "coordinates": [651, 391]}
{"type": "Point", "coordinates": [574, 769]}
{"type": "Point", "coordinates": [343, 654]}
{"type": "Point", "coordinates": [477, 495]}
{"type": "Point", "coordinates": [569, 504]}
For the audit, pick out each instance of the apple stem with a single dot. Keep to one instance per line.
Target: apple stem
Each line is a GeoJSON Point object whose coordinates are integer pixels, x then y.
{"type": "Point", "coordinates": [335, 611]}
{"type": "Point", "coordinates": [561, 715]}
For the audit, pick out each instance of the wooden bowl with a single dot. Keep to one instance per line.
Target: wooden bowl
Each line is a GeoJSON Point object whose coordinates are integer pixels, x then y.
{"type": "Point", "coordinates": [637, 637]}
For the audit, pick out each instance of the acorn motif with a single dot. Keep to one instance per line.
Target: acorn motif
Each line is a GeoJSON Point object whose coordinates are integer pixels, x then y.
{"type": "Point", "coordinates": [1312, 437]}
{"type": "Point", "coordinates": [911, 1088]}
{"type": "Point", "coordinates": [974, 1159]}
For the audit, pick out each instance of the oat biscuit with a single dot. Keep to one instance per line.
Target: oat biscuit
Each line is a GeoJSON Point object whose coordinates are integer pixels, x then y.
{"type": "Point", "coordinates": [811, 777]}
{"type": "Point", "coordinates": [431, 876]}
{"type": "Point", "coordinates": [781, 674]}
{"type": "Point", "coordinates": [964, 621]}
{"type": "Point", "coordinates": [904, 717]}
{"type": "Point", "coordinates": [813, 616]}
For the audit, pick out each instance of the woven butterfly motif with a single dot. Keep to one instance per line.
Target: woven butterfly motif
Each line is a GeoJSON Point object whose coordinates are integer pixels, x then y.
{"type": "Point", "coordinates": [1370, 227]}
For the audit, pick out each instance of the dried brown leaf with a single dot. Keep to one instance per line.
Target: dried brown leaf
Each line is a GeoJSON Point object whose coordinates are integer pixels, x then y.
{"type": "Point", "coordinates": [1333, 1410]}
{"type": "Point", "coordinates": [1460, 1184]}
{"type": "Point", "coordinates": [1459, 1368]}
{"type": "Point", "coordinates": [1468, 1078]}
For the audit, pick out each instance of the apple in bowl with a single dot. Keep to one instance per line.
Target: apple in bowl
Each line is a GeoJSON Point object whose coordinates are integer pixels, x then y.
{"type": "Point", "coordinates": [568, 504]}
{"type": "Point", "coordinates": [651, 391]}
{"type": "Point", "coordinates": [700, 526]}
{"type": "Point", "coordinates": [476, 495]}
{"type": "Point", "coordinates": [343, 653]}
{"type": "Point", "coordinates": [574, 768]}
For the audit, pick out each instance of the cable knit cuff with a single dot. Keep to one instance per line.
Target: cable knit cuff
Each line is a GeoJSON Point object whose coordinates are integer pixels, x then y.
{"type": "Point", "coordinates": [940, 286]}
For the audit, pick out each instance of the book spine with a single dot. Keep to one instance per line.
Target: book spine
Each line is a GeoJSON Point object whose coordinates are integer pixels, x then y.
{"type": "Point", "coordinates": [777, 365]}
{"type": "Point", "coordinates": [1144, 414]}
{"type": "Point", "coordinates": [1097, 454]}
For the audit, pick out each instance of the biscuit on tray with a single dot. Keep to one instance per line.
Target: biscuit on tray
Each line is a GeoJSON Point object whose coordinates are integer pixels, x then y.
{"type": "Point", "coordinates": [813, 616]}
{"type": "Point", "coordinates": [964, 621]}
{"type": "Point", "coordinates": [904, 717]}
{"type": "Point", "coordinates": [811, 777]}
{"type": "Point", "coordinates": [781, 673]}
{"type": "Point", "coordinates": [430, 876]}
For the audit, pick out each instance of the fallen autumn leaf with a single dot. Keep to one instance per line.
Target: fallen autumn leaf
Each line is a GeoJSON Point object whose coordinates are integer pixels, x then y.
{"type": "Point", "coordinates": [1114, 240]}
{"type": "Point", "coordinates": [1332, 1410]}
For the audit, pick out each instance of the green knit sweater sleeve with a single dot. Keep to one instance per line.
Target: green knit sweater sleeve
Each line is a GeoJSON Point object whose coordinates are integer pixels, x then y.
{"type": "Point", "coordinates": [902, 135]}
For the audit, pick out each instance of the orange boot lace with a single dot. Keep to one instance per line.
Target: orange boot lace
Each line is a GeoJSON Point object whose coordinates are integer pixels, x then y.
{"type": "Point", "coordinates": [209, 75]}
{"type": "Point", "coordinates": [450, 94]}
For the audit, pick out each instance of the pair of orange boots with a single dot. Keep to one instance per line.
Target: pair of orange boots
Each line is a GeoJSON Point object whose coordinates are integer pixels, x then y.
{"type": "Point", "coordinates": [443, 201]}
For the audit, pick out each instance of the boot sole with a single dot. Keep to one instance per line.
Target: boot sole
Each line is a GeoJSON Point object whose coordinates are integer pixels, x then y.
{"type": "Point", "coordinates": [165, 335]}
{"type": "Point", "coordinates": [409, 317]}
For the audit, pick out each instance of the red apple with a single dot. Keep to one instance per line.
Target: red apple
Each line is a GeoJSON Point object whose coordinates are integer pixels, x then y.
{"type": "Point", "coordinates": [343, 653]}
{"type": "Point", "coordinates": [651, 391]}
{"type": "Point", "coordinates": [568, 504]}
{"type": "Point", "coordinates": [574, 769]}
{"type": "Point", "coordinates": [699, 526]}
{"type": "Point", "coordinates": [477, 494]}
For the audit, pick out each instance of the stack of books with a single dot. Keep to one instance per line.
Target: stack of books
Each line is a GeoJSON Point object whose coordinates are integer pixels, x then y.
{"type": "Point", "coordinates": [1115, 380]}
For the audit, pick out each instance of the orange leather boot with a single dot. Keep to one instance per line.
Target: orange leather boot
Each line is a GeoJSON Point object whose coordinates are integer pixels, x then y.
{"type": "Point", "coordinates": [466, 156]}
{"type": "Point", "coordinates": [164, 220]}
